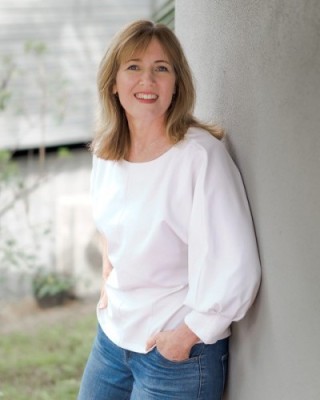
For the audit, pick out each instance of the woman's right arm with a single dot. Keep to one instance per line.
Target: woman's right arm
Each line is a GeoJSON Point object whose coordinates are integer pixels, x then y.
{"type": "Point", "coordinates": [106, 269]}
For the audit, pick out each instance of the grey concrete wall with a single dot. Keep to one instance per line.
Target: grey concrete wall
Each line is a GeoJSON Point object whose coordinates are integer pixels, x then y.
{"type": "Point", "coordinates": [257, 67]}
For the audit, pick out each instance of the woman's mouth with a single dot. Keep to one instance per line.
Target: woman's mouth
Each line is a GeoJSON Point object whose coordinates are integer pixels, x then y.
{"type": "Point", "coordinates": [146, 96]}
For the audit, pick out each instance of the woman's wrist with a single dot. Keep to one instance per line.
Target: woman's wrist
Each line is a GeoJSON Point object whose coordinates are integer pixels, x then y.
{"type": "Point", "coordinates": [186, 335]}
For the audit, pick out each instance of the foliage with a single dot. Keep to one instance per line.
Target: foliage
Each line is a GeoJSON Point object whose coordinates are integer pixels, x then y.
{"type": "Point", "coordinates": [15, 185]}
{"type": "Point", "coordinates": [51, 283]}
{"type": "Point", "coordinates": [63, 152]}
{"type": "Point", "coordinates": [12, 253]}
{"type": "Point", "coordinates": [51, 102]}
{"type": "Point", "coordinates": [8, 168]}
{"type": "Point", "coordinates": [15, 191]}
{"type": "Point", "coordinates": [29, 70]}
{"type": "Point", "coordinates": [165, 14]}
{"type": "Point", "coordinates": [47, 364]}
{"type": "Point", "coordinates": [8, 71]}
{"type": "Point", "coordinates": [35, 47]}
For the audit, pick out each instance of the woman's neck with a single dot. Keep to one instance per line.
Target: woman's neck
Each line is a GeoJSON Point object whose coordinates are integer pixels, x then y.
{"type": "Point", "coordinates": [148, 141]}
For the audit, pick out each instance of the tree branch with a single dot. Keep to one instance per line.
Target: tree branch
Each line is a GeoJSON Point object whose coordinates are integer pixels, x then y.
{"type": "Point", "coordinates": [21, 194]}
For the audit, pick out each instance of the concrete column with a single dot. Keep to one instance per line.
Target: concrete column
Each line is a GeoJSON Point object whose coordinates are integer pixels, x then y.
{"type": "Point", "coordinates": [257, 69]}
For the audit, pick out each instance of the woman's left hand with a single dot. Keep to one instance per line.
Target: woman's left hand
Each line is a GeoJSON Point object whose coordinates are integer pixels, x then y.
{"type": "Point", "coordinates": [173, 345]}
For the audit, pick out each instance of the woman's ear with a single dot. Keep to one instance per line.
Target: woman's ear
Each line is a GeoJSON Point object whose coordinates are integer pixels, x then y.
{"type": "Point", "coordinates": [114, 89]}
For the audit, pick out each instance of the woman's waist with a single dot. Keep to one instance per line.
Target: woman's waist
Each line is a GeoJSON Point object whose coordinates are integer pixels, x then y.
{"type": "Point", "coordinates": [145, 297]}
{"type": "Point", "coordinates": [129, 321]}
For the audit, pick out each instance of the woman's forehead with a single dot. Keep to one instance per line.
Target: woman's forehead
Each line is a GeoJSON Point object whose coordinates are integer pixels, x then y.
{"type": "Point", "coordinates": [137, 49]}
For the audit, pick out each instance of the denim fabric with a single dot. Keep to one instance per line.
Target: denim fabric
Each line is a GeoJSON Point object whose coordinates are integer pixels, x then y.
{"type": "Point", "coordinates": [113, 373]}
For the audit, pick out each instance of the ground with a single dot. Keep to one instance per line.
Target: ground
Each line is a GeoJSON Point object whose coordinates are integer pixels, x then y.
{"type": "Point", "coordinates": [24, 315]}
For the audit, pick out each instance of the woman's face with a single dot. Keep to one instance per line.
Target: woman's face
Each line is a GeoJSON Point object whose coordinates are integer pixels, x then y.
{"type": "Point", "coordinates": [145, 84]}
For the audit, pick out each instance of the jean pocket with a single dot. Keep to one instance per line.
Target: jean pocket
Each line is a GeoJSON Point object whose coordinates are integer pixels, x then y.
{"type": "Point", "coordinates": [193, 358]}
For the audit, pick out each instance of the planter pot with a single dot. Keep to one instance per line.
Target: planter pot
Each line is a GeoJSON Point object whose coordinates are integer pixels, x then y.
{"type": "Point", "coordinates": [49, 301]}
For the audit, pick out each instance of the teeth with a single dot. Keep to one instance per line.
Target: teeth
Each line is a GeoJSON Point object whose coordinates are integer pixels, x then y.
{"type": "Point", "coordinates": [146, 96]}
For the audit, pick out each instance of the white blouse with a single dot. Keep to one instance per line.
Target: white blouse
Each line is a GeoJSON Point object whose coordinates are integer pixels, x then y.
{"type": "Point", "coordinates": [180, 240]}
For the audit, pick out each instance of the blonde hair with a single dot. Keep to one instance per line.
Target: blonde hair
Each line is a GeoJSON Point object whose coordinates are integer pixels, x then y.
{"type": "Point", "coordinates": [112, 138]}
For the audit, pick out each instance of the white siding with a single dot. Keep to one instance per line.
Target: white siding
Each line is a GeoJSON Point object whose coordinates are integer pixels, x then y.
{"type": "Point", "coordinates": [76, 33]}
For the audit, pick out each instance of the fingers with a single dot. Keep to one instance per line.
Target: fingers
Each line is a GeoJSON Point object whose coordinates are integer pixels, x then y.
{"type": "Point", "coordinates": [151, 342]}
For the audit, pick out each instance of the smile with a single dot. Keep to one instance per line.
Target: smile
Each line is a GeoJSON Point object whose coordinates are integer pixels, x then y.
{"type": "Point", "coordinates": [146, 96]}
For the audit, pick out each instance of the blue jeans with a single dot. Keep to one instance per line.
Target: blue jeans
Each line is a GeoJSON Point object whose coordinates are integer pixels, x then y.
{"type": "Point", "coordinates": [113, 373]}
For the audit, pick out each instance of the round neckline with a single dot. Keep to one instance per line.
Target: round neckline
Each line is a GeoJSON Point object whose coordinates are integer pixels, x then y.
{"type": "Point", "coordinates": [153, 161]}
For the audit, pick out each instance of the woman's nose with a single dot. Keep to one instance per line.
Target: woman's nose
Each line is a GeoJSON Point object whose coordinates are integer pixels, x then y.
{"type": "Point", "coordinates": [147, 77]}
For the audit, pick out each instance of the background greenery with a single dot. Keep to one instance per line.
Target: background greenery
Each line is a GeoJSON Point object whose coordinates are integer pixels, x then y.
{"type": "Point", "coordinates": [46, 364]}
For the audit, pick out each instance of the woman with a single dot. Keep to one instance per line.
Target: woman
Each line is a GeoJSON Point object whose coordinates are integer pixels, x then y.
{"type": "Point", "coordinates": [180, 260]}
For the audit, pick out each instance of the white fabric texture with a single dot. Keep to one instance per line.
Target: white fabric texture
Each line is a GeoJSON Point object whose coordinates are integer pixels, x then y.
{"type": "Point", "coordinates": [180, 240]}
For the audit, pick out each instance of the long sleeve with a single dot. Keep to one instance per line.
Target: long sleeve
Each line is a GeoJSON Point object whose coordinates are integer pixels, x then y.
{"type": "Point", "coordinates": [224, 269]}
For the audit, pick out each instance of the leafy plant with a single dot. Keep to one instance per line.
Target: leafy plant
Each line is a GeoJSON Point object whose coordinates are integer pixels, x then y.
{"type": "Point", "coordinates": [21, 243]}
{"type": "Point", "coordinates": [51, 284]}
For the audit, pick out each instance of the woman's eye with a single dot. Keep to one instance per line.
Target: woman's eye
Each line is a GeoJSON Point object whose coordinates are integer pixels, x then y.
{"type": "Point", "coordinates": [162, 68]}
{"type": "Point", "coordinates": [133, 67]}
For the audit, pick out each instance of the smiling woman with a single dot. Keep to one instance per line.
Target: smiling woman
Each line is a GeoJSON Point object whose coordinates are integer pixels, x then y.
{"type": "Point", "coordinates": [113, 139]}
{"type": "Point", "coordinates": [145, 85]}
{"type": "Point", "coordinates": [180, 260]}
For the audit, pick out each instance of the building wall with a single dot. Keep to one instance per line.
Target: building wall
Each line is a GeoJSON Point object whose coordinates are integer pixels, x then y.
{"type": "Point", "coordinates": [53, 93]}
{"type": "Point", "coordinates": [42, 85]}
{"type": "Point", "coordinates": [52, 224]}
{"type": "Point", "coordinates": [257, 68]}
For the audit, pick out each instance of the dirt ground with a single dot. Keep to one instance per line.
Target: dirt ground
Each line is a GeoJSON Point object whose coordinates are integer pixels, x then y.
{"type": "Point", "coordinates": [26, 316]}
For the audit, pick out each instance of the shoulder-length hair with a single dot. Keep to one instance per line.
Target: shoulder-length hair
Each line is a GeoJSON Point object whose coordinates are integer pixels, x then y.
{"type": "Point", "coordinates": [112, 137]}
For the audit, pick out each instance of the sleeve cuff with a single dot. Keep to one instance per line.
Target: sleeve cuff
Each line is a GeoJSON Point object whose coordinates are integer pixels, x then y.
{"type": "Point", "coordinates": [208, 327]}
